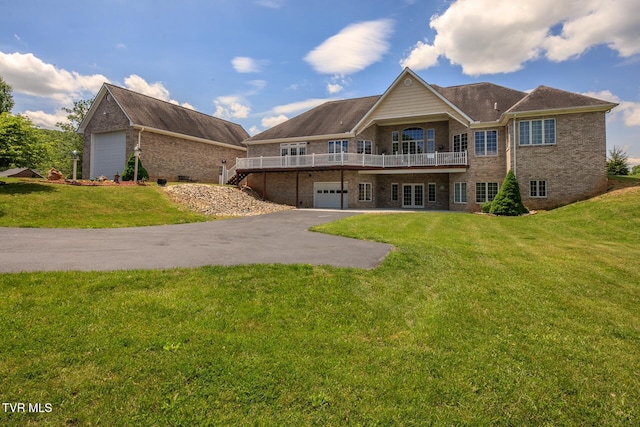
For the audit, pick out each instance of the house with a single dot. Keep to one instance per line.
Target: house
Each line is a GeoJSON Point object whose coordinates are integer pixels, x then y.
{"type": "Point", "coordinates": [176, 142]}
{"type": "Point", "coordinates": [20, 173]}
{"type": "Point", "coordinates": [422, 146]}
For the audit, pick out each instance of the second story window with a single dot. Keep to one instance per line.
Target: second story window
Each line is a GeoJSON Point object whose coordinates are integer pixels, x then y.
{"type": "Point", "coordinates": [538, 132]}
{"type": "Point", "coordinates": [412, 141]}
{"type": "Point", "coordinates": [335, 148]}
{"type": "Point", "coordinates": [486, 143]}
{"type": "Point", "coordinates": [364, 147]}
{"type": "Point", "coordinates": [293, 149]}
{"type": "Point", "coordinates": [460, 143]}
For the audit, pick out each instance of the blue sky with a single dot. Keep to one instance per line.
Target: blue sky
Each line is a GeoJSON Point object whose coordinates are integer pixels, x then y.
{"type": "Point", "coordinates": [258, 62]}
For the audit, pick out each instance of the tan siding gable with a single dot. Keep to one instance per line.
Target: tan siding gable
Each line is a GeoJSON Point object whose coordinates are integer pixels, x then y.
{"type": "Point", "coordinates": [414, 100]}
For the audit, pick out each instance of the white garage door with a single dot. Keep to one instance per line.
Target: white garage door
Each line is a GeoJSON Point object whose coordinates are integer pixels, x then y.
{"type": "Point", "coordinates": [327, 195]}
{"type": "Point", "coordinates": [108, 154]}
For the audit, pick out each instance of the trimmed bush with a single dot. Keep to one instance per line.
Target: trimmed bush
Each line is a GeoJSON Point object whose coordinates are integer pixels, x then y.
{"type": "Point", "coordinates": [508, 201]}
{"type": "Point", "coordinates": [127, 174]}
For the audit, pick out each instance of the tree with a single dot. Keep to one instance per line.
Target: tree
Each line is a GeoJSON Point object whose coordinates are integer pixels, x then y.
{"type": "Point", "coordinates": [618, 162]}
{"type": "Point", "coordinates": [508, 201]}
{"type": "Point", "coordinates": [127, 174]}
{"type": "Point", "coordinates": [6, 97]}
{"type": "Point", "coordinates": [20, 142]}
{"type": "Point", "coordinates": [62, 143]}
{"type": "Point", "coordinates": [635, 170]}
{"type": "Point", "coordinates": [75, 115]}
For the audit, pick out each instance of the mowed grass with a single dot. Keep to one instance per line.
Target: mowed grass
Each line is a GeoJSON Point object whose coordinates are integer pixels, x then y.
{"type": "Point", "coordinates": [36, 203]}
{"type": "Point", "coordinates": [472, 320]}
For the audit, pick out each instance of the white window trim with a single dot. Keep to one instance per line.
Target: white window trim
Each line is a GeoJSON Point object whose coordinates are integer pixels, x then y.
{"type": "Point", "coordinates": [435, 192]}
{"type": "Point", "coordinates": [397, 186]}
{"type": "Point", "coordinates": [546, 188]}
{"type": "Point", "coordinates": [460, 184]}
{"type": "Point", "coordinates": [531, 144]}
{"type": "Point", "coordinates": [413, 185]}
{"type": "Point", "coordinates": [368, 192]}
{"type": "Point", "coordinates": [289, 145]}
{"type": "Point", "coordinates": [364, 143]}
{"type": "Point", "coordinates": [486, 191]}
{"type": "Point", "coordinates": [485, 143]}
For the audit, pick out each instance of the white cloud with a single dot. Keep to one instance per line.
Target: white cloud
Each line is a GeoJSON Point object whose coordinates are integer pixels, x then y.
{"type": "Point", "coordinates": [231, 107]}
{"type": "Point", "coordinates": [155, 90]}
{"type": "Point", "coordinates": [244, 64]}
{"type": "Point", "coordinates": [334, 88]}
{"type": "Point", "coordinates": [299, 106]}
{"type": "Point", "coordinates": [272, 4]}
{"type": "Point", "coordinates": [271, 121]}
{"type": "Point", "coordinates": [628, 110]}
{"type": "Point", "coordinates": [499, 36]}
{"type": "Point", "coordinates": [46, 120]}
{"type": "Point", "coordinates": [30, 75]}
{"type": "Point", "coordinates": [353, 49]}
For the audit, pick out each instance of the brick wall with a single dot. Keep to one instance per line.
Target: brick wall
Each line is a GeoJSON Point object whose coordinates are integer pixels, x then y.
{"type": "Point", "coordinates": [574, 168]}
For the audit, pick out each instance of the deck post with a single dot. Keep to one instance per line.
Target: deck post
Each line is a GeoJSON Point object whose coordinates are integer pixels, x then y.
{"type": "Point", "coordinates": [341, 189]}
{"type": "Point", "coordinates": [297, 188]}
{"type": "Point", "coordinates": [264, 185]}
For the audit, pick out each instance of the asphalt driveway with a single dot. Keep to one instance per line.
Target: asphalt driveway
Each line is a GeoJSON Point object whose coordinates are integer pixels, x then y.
{"type": "Point", "coordinates": [281, 237]}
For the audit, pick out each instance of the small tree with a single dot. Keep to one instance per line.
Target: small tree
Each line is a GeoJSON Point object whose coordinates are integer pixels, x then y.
{"type": "Point", "coordinates": [508, 201]}
{"type": "Point", "coordinates": [635, 170]}
{"type": "Point", "coordinates": [127, 174]}
{"type": "Point", "coordinates": [6, 97]}
{"type": "Point", "coordinates": [618, 162]}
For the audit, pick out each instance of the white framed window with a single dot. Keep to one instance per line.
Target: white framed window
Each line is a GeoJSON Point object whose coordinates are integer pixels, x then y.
{"type": "Point", "coordinates": [538, 188]}
{"type": "Point", "coordinates": [293, 149]}
{"type": "Point", "coordinates": [413, 195]}
{"type": "Point", "coordinates": [395, 142]}
{"type": "Point", "coordinates": [431, 192]}
{"type": "Point", "coordinates": [364, 147]}
{"type": "Point", "coordinates": [335, 148]}
{"type": "Point", "coordinates": [537, 132]}
{"type": "Point", "coordinates": [431, 140]}
{"type": "Point", "coordinates": [486, 143]}
{"type": "Point", "coordinates": [460, 143]}
{"type": "Point", "coordinates": [395, 188]}
{"type": "Point", "coordinates": [365, 193]}
{"type": "Point", "coordinates": [412, 141]}
{"type": "Point", "coordinates": [460, 192]}
{"type": "Point", "coordinates": [486, 191]}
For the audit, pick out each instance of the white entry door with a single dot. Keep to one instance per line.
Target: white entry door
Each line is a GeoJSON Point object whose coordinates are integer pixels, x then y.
{"type": "Point", "coordinates": [413, 195]}
{"type": "Point", "coordinates": [327, 195]}
{"type": "Point", "coordinates": [108, 154]}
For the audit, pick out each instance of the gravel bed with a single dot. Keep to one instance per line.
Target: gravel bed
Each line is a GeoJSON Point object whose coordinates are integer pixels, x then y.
{"type": "Point", "coordinates": [219, 200]}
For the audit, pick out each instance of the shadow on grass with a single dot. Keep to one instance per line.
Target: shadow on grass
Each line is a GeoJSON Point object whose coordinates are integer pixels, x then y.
{"type": "Point", "coordinates": [15, 188]}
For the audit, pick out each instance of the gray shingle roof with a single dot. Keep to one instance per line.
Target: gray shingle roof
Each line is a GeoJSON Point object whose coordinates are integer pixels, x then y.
{"type": "Point", "coordinates": [478, 100]}
{"type": "Point", "coordinates": [150, 112]}
{"type": "Point", "coordinates": [548, 98]}
{"type": "Point", "coordinates": [333, 117]}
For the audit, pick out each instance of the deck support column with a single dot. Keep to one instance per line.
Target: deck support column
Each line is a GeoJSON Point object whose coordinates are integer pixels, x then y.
{"type": "Point", "coordinates": [341, 189]}
{"type": "Point", "coordinates": [264, 185]}
{"type": "Point", "coordinates": [297, 189]}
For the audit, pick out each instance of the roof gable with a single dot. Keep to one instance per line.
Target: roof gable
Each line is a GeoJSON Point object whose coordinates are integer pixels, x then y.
{"type": "Point", "coordinates": [548, 98]}
{"type": "Point", "coordinates": [410, 97]}
{"type": "Point", "coordinates": [145, 111]}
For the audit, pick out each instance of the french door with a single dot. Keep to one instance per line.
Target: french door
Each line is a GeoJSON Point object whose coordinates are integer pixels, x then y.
{"type": "Point", "coordinates": [413, 195]}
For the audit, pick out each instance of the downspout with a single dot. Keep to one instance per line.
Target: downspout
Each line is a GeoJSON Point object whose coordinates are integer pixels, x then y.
{"type": "Point", "coordinates": [515, 144]}
{"type": "Point", "coordinates": [140, 136]}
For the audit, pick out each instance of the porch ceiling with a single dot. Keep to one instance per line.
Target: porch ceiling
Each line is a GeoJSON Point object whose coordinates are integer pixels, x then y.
{"type": "Point", "coordinates": [422, 118]}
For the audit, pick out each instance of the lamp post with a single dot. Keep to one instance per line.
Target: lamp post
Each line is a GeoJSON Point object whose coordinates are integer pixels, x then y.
{"type": "Point", "coordinates": [75, 157]}
{"type": "Point", "coordinates": [136, 153]}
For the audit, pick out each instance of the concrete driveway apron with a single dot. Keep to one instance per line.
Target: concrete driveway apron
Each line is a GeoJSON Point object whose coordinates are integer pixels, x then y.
{"type": "Point", "coordinates": [281, 237]}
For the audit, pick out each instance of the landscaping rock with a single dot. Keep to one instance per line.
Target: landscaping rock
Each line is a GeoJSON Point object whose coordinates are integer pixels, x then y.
{"type": "Point", "coordinates": [220, 200]}
{"type": "Point", "coordinates": [54, 175]}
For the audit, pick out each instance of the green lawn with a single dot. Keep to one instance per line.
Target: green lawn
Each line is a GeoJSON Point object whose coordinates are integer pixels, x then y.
{"type": "Point", "coordinates": [472, 320]}
{"type": "Point", "coordinates": [36, 203]}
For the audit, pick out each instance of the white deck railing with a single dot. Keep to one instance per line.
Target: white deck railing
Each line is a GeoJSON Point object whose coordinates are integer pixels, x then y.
{"type": "Point", "coordinates": [353, 159]}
